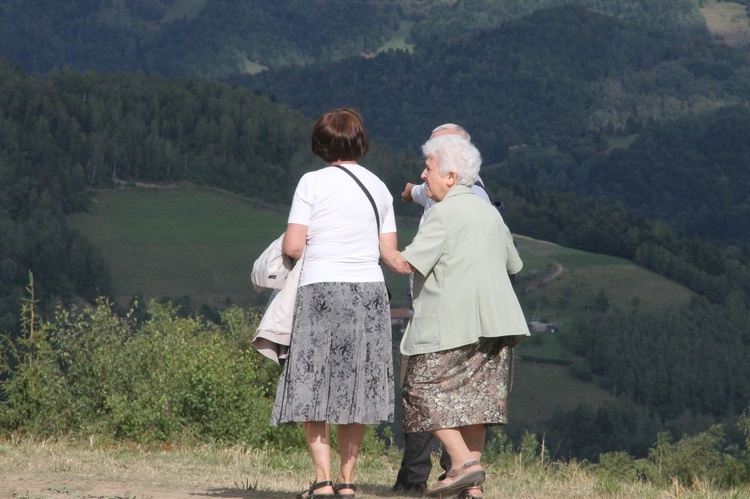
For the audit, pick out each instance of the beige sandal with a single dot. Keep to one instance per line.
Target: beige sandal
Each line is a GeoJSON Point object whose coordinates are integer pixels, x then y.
{"type": "Point", "coordinates": [341, 486]}
{"type": "Point", "coordinates": [460, 480]}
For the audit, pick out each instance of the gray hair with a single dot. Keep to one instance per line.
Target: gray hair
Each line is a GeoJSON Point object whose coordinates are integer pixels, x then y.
{"type": "Point", "coordinates": [455, 154]}
{"type": "Point", "coordinates": [452, 128]}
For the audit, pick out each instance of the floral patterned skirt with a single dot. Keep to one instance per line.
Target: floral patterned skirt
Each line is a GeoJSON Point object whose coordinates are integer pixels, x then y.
{"type": "Point", "coordinates": [339, 367]}
{"type": "Point", "coordinates": [458, 387]}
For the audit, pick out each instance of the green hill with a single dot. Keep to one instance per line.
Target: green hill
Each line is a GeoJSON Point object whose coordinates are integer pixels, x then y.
{"type": "Point", "coordinates": [187, 242]}
{"type": "Point", "coordinates": [175, 241]}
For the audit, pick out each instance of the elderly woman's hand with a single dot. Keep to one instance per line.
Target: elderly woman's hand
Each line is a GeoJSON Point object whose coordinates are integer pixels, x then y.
{"type": "Point", "coordinates": [392, 257]}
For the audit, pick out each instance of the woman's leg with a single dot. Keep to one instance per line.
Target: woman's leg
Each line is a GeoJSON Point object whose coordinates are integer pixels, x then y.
{"type": "Point", "coordinates": [350, 439]}
{"type": "Point", "coordinates": [474, 436]}
{"type": "Point", "coordinates": [319, 443]}
{"type": "Point", "coordinates": [464, 444]}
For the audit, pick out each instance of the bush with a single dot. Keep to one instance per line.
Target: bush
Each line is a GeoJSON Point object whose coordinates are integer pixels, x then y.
{"type": "Point", "coordinates": [619, 466]}
{"type": "Point", "coordinates": [692, 460]}
{"type": "Point", "coordinates": [169, 378]}
{"type": "Point", "coordinates": [30, 386]}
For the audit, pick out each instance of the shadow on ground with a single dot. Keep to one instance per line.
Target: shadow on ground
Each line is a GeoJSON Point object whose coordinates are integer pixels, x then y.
{"type": "Point", "coordinates": [363, 491]}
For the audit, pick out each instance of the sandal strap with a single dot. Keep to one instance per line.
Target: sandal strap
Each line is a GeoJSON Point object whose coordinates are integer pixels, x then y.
{"type": "Point", "coordinates": [340, 486]}
{"type": "Point", "coordinates": [453, 472]}
{"type": "Point", "coordinates": [319, 485]}
{"type": "Point", "coordinates": [310, 493]}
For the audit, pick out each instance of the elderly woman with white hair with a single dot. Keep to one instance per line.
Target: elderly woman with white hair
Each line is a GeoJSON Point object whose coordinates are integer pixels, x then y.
{"type": "Point", "coordinates": [466, 317]}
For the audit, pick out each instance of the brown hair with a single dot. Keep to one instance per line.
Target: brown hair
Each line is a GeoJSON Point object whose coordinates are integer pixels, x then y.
{"type": "Point", "coordinates": [340, 135]}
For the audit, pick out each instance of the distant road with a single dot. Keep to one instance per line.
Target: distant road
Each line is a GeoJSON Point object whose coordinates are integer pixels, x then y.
{"type": "Point", "coordinates": [546, 277]}
{"type": "Point", "coordinates": [537, 282]}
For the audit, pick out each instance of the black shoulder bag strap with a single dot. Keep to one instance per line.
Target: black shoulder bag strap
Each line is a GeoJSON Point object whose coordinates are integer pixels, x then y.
{"type": "Point", "coordinates": [497, 204]}
{"type": "Point", "coordinates": [367, 193]}
{"type": "Point", "coordinates": [374, 208]}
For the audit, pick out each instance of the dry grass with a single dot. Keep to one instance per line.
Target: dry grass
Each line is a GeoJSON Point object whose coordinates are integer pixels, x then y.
{"type": "Point", "coordinates": [74, 470]}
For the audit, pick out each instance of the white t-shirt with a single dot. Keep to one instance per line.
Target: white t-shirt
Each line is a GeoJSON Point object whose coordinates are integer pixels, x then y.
{"type": "Point", "coordinates": [342, 239]}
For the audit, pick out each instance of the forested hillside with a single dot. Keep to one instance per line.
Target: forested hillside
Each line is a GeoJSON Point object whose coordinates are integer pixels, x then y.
{"type": "Point", "coordinates": [691, 173]}
{"type": "Point", "coordinates": [215, 38]}
{"type": "Point", "coordinates": [456, 19]}
{"type": "Point", "coordinates": [549, 92]}
{"type": "Point", "coordinates": [67, 133]}
{"type": "Point", "coordinates": [545, 86]}
{"type": "Point", "coordinates": [207, 38]}
{"type": "Point", "coordinates": [555, 74]}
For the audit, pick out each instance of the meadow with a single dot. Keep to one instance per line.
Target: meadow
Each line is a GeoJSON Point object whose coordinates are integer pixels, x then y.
{"type": "Point", "coordinates": [172, 242]}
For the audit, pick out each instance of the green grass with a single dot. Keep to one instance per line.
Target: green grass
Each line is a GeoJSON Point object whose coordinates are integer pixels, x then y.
{"type": "Point", "coordinates": [188, 241]}
{"type": "Point", "coordinates": [618, 142]}
{"type": "Point", "coordinates": [586, 274]}
{"type": "Point", "coordinates": [252, 68]}
{"type": "Point", "coordinates": [176, 242]}
{"type": "Point", "coordinates": [398, 41]}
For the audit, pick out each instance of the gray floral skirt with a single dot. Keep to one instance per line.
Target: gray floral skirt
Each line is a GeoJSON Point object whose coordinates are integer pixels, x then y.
{"type": "Point", "coordinates": [458, 387]}
{"type": "Point", "coordinates": [339, 367]}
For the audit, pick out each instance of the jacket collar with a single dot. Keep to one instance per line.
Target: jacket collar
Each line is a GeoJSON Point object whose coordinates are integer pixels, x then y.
{"type": "Point", "coordinates": [457, 190]}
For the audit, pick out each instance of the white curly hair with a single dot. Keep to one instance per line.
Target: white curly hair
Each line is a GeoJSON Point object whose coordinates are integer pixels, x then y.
{"type": "Point", "coordinates": [455, 154]}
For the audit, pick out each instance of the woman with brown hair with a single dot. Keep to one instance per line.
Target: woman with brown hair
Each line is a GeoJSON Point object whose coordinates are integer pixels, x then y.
{"type": "Point", "coordinates": [339, 367]}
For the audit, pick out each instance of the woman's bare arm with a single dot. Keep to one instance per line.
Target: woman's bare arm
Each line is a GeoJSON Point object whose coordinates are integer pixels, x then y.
{"type": "Point", "coordinates": [390, 255]}
{"type": "Point", "coordinates": [295, 239]}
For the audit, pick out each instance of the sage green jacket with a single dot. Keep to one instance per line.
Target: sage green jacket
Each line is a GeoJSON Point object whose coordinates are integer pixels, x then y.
{"type": "Point", "coordinates": [463, 253]}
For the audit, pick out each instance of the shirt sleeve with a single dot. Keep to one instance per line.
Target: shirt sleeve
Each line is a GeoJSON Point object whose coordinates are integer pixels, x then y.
{"type": "Point", "coordinates": [302, 202]}
{"type": "Point", "coordinates": [389, 221]}
{"type": "Point", "coordinates": [427, 247]}
{"type": "Point", "coordinates": [419, 194]}
{"type": "Point", "coordinates": [479, 191]}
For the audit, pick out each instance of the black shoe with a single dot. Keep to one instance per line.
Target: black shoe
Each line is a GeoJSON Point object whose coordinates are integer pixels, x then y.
{"type": "Point", "coordinates": [418, 488]}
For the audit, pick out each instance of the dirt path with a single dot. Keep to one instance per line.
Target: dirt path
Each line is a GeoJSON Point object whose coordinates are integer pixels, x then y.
{"type": "Point", "coordinates": [555, 271]}
{"type": "Point", "coordinates": [74, 485]}
{"type": "Point", "coordinates": [65, 486]}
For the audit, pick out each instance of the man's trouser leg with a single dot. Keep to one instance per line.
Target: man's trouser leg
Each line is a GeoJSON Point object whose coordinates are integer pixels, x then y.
{"type": "Point", "coordinates": [417, 461]}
